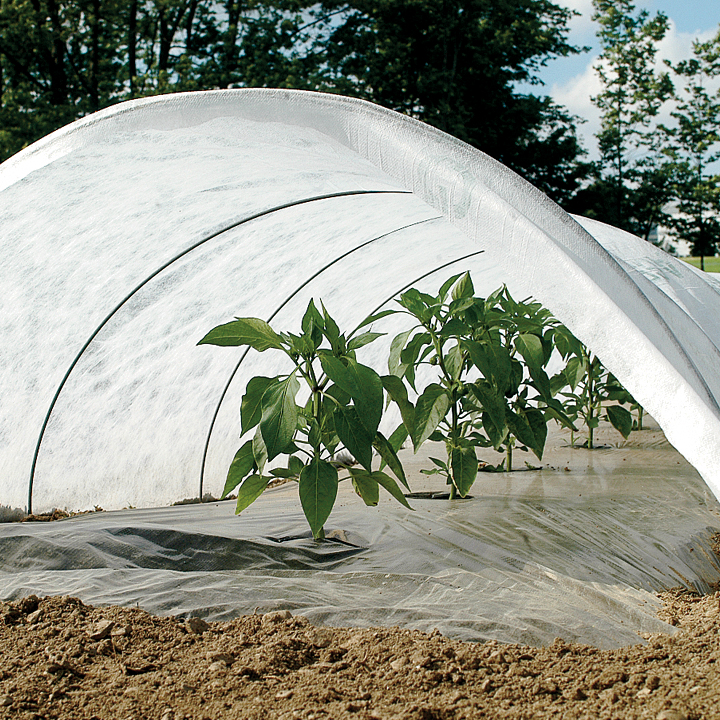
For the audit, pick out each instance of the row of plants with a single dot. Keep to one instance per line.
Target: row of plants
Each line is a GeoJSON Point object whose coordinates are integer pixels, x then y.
{"type": "Point", "coordinates": [318, 424]}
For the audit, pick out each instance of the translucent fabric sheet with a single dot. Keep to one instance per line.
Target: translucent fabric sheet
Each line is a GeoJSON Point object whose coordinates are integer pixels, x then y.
{"type": "Point", "coordinates": [127, 235]}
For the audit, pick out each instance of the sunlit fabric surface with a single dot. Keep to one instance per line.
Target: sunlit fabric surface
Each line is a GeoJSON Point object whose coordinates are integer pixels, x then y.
{"type": "Point", "coordinates": [126, 236]}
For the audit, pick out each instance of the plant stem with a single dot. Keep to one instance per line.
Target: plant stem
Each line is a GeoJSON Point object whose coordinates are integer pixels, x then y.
{"type": "Point", "coordinates": [640, 418]}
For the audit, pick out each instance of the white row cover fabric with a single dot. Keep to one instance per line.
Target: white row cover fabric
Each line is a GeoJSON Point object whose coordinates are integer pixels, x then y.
{"type": "Point", "coordinates": [127, 235]}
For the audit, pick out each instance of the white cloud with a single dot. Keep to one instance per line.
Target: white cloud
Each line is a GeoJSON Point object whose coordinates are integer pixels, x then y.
{"type": "Point", "coordinates": [676, 46]}
{"type": "Point", "coordinates": [576, 93]}
{"type": "Point", "coordinates": [580, 25]}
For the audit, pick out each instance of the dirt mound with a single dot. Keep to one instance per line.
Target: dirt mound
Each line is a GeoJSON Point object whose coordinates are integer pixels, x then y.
{"type": "Point", "coordinates": [62, 659]}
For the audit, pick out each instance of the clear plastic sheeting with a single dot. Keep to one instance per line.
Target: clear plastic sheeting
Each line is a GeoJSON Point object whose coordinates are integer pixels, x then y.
{"type": "Point", "coordinates": [129, 234]}
{"type": "Point", "coordinates": [533, 555]}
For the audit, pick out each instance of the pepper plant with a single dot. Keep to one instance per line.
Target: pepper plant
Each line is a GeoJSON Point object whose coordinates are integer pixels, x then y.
{"type": "Point", "coordinates": [342, 412]}
{"type": "Point", "coordinates": [491, 389]}
{"type": "Point", "coordinates": [591, 388]}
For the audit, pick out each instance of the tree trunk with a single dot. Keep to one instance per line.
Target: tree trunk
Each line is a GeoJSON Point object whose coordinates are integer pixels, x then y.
{"type": "Point", "coordinates": [168, 25]}
{"type": "Point", "coordinates": [132, 46]}
{"type": "Point", "coordinates": [189, 27]}
{"type": "Point", "coordinates": [164, 51]}
{"type": "Point", "coordinates": [95, 57]}
{"type": "Point", "coordinates": [233, 8]}
{"type": "Point", "coordinates": [58, 76]}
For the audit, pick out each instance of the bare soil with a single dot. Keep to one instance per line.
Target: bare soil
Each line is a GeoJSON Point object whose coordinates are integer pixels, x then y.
{"type": "Point", "coordinates": [62, 659]}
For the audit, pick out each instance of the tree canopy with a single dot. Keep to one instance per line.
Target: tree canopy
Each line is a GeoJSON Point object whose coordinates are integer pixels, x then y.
{"type": "Point", "coordinates": [452, 63]}
{"type": "Point", "coordinates": [456, 64]}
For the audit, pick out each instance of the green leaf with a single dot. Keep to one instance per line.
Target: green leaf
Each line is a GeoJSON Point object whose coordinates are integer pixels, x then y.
{"type": "Point", "coordinates": [313, 326]}
{"type": "Point", "coordinates": [621, 419]}
{"type": "Point", "coordinates": [259, 450]}
{"type": "Point", "coordinates": [332, 332]}
{"type": "Point", "coordinates": [416, 303]}
{"type": "Point", "coordinates": [395, 366]}
{"type": "Point", "coordinates": [409, 355]}
{"type": "Point", "coordinates": [342, 397]}
{"type": "Point", "coordinates": [284, 473]}
{"type": "Point", "coordinates": [242, 464]}
{"type": "Point", "coordinates": [541, 382]}
{"type": "Point", "coordinates": [520, 428]}
{"type": "Point", "coordinates": [391, 486]}
{"type": "Point", "coordinates": [464, 288]}
{"type": "Point", "coordinates": [460, 306]}
{"type": "Point", "coordinates": [396, 389]}
{"type": "Point", "coordinates": [362, 383]}
{"type": "Point", "coordinates": [446, 286]}
{"type": "Point", "coordinates": [389, 456]}
{"type": "Point", "coordinates": [354, 436]}
{"type": "Point", "coordinates": [557, 411]}
{"type": "Point", "coordinates": [312, 319]}
{"type": "Point", "coordinates": [530, 347]}
{"type": "Point", "coordinates": [454, 361]}
{"type": "Point", "coordinates": [244, 331]}
{"type": "Point", "coordinates": [432, 406]}
{"type": "Point", "coordinates": [251, 405]}
{"type": "Point", "coordinates": [295, 465]}
{"type": "Point", "coordinates": [365, 486]}
{"type": "Point", "coordinates": [251, 489]}
{"type": "Point", "coordinates": [538, 424]}
{"type": "Point", "coordinates": [464, 465]}
{"type": "Point", "coordinates": [362, 340]}
{"type": "Point", "coordinates": [303, 344]}
{"type": "Point", "coordinates": [372, 318]}
{"type": "Point", "coordinates": [279, 416]}
{"type": "Point", "coordinates": [398, 437]}
{"type": "Point", "coordinates": [314, 435]}
{"type": "Point", "coordinates": [574, 371]}
{"type": "Point", "coordinates": [492, 361]}
{"type": "Point", "coordinates": [318, 490]}
{"type": "Point", "coordinates": [494, 435]}
{"type": "Point", "coordinates": [494, 404]}
{"type": "Point", "coordinates": [369, 404]}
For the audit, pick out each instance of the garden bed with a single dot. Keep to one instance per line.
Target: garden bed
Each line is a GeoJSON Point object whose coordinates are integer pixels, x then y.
{"type": "Point", "coordinates": [62, 659]}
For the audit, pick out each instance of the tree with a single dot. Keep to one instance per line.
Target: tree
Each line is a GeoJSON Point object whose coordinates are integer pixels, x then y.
{"type": "Point", "coordinates": [455, 64]}
{"type": "Point", "coordinates": [59, 61]}
{"type": "Point", "coordinates": [631, 183]}
{"type": "Point", "coordinates": [693, 146]}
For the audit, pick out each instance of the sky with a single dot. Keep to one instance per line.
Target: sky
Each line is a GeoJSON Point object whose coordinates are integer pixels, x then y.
{"type": "Point", "coordinates": [572, 81]}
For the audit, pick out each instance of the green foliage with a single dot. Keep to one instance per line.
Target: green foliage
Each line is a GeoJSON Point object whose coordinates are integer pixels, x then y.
{"type": "Point", "coordinates": [489, 357]}
{"type": "Point", "coordinates": [343, 411]}
{"type": "Point", "coordinates": [492, 389]}
{"type": "Point", "coordinates": [707, 264]}
{"type": "Point", "coordinates": [591, 389]}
